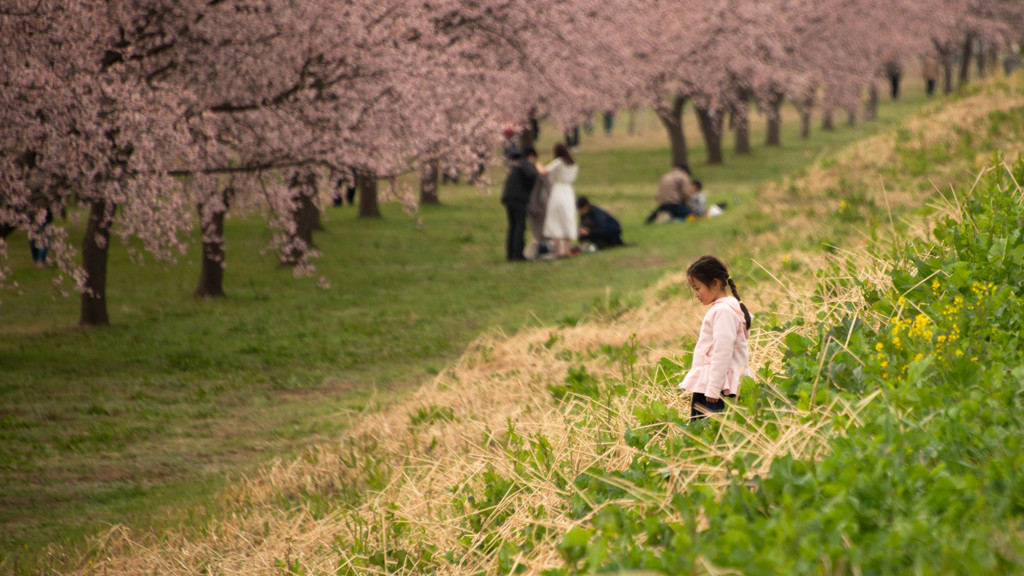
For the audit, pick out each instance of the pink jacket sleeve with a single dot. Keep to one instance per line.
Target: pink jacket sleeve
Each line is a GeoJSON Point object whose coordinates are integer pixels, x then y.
{"type": "Point", "coordinates": [725, 330]}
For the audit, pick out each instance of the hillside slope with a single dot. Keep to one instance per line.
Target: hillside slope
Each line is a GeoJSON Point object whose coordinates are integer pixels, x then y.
{"type": "Point", "coordinates": [518, 455]}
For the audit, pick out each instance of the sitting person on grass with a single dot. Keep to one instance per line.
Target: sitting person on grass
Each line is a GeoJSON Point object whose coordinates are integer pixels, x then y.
{"type": "Point", "coordinates": [700, 202]}
{"type": "Point", "coordinates": [597, 226]}
{"type": "Point", "coordinates": [698, 199]}
{"type": "Point", "coordinates": [673, 195]}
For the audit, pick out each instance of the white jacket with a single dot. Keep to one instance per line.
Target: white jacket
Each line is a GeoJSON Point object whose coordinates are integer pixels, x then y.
{"type": "Point", "coordinates": [721, 354]}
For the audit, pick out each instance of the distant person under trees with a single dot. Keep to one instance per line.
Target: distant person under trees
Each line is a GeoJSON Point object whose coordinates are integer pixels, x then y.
{"type": "Point", "coordinates": [572, 138]}
{"type": "Point", "coordinates": [39, 244]}
{"type": "Point", "coordinates": [894, 70]}
{"type": "Point", "coordinates": [344, 189]}
{"type": "Point", "coordinates": [609, 121]}
{"type": "Point", "coordinates": [528, 136]}
{"type": "Point", "coordinates": [480, 168]}
{"type": "Point", "coordinates": [930, 70]}
{"type": "Point", "coordinates": [450, 174]}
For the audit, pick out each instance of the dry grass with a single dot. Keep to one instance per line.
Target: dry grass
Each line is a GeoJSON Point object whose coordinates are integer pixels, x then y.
{"type": "Point", "coordinates": [503, 379]}
{"type": "Point", "coordinates": [805, 203]}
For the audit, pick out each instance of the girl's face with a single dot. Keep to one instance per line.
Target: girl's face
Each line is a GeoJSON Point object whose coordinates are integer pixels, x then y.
{"type": "Point", "coordinates": [705, 293]}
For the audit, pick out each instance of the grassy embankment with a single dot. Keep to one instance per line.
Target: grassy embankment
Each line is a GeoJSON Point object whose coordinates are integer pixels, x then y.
{"type": "Point", "coordinates": [143, 422]}
{"type": "Point", "coordinates": [887, 412]}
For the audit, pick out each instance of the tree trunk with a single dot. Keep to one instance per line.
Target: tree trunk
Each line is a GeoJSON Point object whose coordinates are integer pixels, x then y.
{"type": "Point", "coordinates": [871, 107]}
{"type": "Point", "coordinates": [211, 275]}
{"type": "Point", "coordinates": [774, 135]}
{"type": "Point", "coordinates": [740, 118]}
{"type": "Point", "coordinates": [826, 119]}
{"type": "Point", "coordinates": [431, 173]}
{"type": "Point", "coordinates": [945, 53]}
{"type": "Point", "coordinates": [947, 75]}
{"type": "Point", "coordinates": [673, 121]}
{"type": "Point", "coordinates": [806, 105]}
{"type": "Point", "coordinates": [306, 217]}
{"type": "Point", "coordinates": [309, 214]}
{"type": "Point", "coordinates": [94, 262]}
{"type": "Point", "coordinates": [711, 129]}
{"type": "Point", "coordinates": [965, 60]}
{"type": "Point", "coordinates": [526, 139]}
{"type": "Point", "coordinates": [982, 59]}
{"type": "Point", "coordinates": [851, 118]}
{"type": "Point", "coordinates": [632, 127]}
{"type": "Point", "coordinates": [368, 195]}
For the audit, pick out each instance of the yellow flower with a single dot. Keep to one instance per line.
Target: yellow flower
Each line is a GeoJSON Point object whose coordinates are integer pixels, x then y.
{"type": "Point", "coordinates": [918, 357]}
{"type": "Point", "coordinates": [959, 352]}
{"type": "Point", "coordinates": [920, 326]}
{"type": "Point", "coordinates": [936, 285]}
{"type": "Point", "coordinates": [987, 288]}
{"type": "Point", "coordinates": [878, 346]}
{"type": "Point", "coordinates": [884, 364]}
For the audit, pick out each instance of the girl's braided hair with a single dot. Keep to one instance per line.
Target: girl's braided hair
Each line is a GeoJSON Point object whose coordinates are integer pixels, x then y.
{"type": "Point", "coordinates": [707, 269]}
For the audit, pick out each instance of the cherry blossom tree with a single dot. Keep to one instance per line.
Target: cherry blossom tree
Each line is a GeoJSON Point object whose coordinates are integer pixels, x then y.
{"type": "Point", "coordinates": [956, 25]}
{"type": "Point", "coordinates": [659, 41]}
{"type": "Point", "coordinates": [86, 131]}
{"type": "Point", "coordinates": [260, 87]}
{"type": "Point", "coordinates": [748, 58]}
{"type": "Point", "coordinates": [158, 115]}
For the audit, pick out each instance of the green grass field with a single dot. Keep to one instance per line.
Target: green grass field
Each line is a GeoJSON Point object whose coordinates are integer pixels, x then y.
{"type": "Point", "coordinates": [142, 422]}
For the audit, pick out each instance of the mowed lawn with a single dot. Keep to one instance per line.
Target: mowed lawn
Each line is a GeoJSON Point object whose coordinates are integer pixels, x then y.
{"type": "Point", "coordinates": [143, 421]}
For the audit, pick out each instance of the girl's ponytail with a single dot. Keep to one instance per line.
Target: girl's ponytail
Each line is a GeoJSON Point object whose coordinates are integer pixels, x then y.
{"type": "Point", "coordinates": [707, 269]}
{"type": "Point", "coordinates": [746, 313]}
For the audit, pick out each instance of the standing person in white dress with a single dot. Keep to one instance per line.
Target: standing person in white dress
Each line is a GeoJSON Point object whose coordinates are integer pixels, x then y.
{"type": "Point", "coordinates": [560, 221]}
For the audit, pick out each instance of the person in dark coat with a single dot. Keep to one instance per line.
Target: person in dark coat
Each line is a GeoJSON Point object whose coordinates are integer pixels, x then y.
{"type": "Point", "coordinates": [516, 196]}
{"type": "Point", "coordinates": [39, 244]}
{"type": "Point", "coordinates": [894, 70]}
{"type": "Point", "coordinates": [597, 226]}
{"type": "Point", "coordinates": [344, 189]}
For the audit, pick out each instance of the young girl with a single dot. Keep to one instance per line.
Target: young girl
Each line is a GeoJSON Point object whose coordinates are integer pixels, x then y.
{"type": "Point", "coordinates": [720, 357]}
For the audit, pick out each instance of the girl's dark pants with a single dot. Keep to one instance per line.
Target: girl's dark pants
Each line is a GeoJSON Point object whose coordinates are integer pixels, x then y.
{"type": "Point", "coordinates": [700, 408]}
